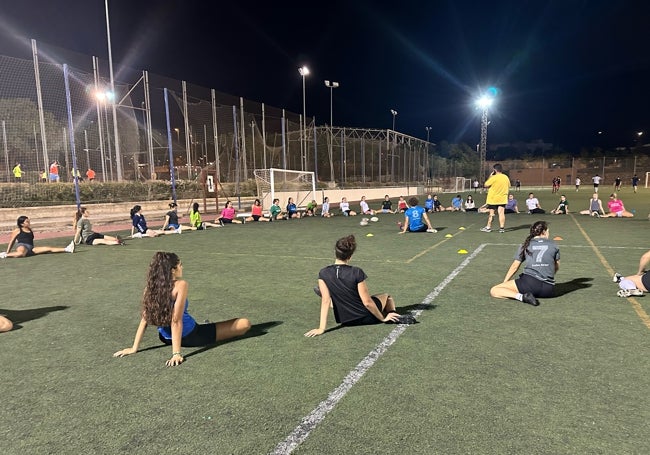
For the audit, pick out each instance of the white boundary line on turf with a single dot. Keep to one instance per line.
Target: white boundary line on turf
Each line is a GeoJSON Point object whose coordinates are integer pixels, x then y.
{"type": "Point", "coordinates": [311, 421]}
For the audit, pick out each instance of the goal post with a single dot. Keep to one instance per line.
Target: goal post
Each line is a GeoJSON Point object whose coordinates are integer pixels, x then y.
{"type": "Point", "coordinates": [282, 184]}
{"type": "Point", "coordinates": [462, 184]}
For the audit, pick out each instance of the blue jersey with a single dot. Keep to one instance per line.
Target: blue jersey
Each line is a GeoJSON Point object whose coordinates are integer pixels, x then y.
{"type": "Point", "coordinates": [428, 204]}
{"type": "Point", "coordinates": [139, 223]}
{"type": "Point", "coordinates": [188, 324]}
{"type": "Point", "coordinates": [414, 215]}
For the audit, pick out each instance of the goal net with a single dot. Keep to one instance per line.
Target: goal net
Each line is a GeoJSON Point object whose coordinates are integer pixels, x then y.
{"type": "Point", "coordinates": [462, 184]}
{"type": "Point", "coordinates": [282, 184]}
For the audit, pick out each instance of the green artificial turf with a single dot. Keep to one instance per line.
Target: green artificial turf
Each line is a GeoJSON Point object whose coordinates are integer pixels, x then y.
{"type": "Point", "coordinates": [476, 375]}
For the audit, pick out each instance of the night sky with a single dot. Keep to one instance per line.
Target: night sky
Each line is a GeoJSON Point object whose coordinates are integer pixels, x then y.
{"type": "Point", "coordinates": [565, 70]}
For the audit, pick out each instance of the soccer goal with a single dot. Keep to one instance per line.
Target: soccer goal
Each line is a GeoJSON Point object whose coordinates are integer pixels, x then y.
{"type": "Point", "coordinates": [282, 184]}
{"type": "Point", "coordinates": [462, 184]}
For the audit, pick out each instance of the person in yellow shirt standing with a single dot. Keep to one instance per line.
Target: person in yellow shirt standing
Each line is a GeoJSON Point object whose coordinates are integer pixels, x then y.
{"type": "Point", "coordinates": [497, 196]}
{"type": "Point", "coordinates": [18, 173]}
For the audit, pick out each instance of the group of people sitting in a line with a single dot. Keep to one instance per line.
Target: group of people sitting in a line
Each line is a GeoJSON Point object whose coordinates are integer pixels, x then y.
{"type": "Point", "coordinates": [616, 208]}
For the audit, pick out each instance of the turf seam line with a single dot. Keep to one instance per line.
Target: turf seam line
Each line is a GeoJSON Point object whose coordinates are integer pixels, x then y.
{"type": "Point", "coordinates": [311, 421]}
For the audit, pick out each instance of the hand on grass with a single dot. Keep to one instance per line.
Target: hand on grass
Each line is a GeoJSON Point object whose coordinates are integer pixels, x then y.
{"type": "Point", "coordinates": [314, 333]}
{"type": "Point", "coordinates": [175, 360]}
{"type": "Point", "coordinates": [123, 352]}
{"type": "Point", "coordinates": [391, 317]}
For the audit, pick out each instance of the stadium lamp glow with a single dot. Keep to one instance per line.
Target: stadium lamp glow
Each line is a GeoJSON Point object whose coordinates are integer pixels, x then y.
{"type": "Point", "coordinates": [304, 71]}
{"type": "Point", "coordinates": [484, 102]}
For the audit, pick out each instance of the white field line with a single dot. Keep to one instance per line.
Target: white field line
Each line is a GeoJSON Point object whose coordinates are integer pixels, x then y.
{"type": "Point", "coordinates": [314, 418]}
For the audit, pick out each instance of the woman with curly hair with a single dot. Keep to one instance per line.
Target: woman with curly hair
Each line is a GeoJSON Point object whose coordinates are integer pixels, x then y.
{"type": "Point", "coordinates": [542, 258]}
{"type": "Point", "coordinates": [165, 303]}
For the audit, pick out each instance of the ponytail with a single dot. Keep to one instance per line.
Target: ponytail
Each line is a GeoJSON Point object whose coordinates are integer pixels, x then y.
{"type": "Point", "coordinates": [537, 229]}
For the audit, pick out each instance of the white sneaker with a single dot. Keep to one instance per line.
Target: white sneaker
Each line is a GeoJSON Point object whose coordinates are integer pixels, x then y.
{"type": "Point", "coordinates": [179, 230]}
{"type": "Point", "coordinates": [486, 229]}
{"type": "Point", "coordinates": [3, 255]}
{"type": "Point", "coordinates": [630, 293]}
{"type": "Point", "coordinates": [617, 277]}
{"type": "Point", "coordinates": [137, 235]}
{"type": "Point", "coordinates": [70, 247]}
{"type": "Point", "coordinates": [432, 230]}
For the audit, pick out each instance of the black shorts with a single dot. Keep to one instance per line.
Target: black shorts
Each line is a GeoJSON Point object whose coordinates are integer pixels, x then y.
{"type": "Point", "coordinates": [256, 217]}
{"type": "Point", "coordinates": [645, 280]}
{"type": "Point", "coordinates": [422, 228]}
{"type": "Point", "coordinates": [202, 335]}
{"type": "Point", "coordinates": [370, 319]}
{"type": "Point", "coordinates": [494, 206]}
{"type": "Point", "coordinates": [527, 283]}
{"type": "Point", "coordinates": [226, 220]}
{"type": "Point", "coordinates": [92, 237]}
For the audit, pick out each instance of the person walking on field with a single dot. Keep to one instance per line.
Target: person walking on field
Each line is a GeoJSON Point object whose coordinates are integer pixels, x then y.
{"type": "Point", "coordinates": [596, 179]}
{"type": "Point", "coordinates": [498, 186]}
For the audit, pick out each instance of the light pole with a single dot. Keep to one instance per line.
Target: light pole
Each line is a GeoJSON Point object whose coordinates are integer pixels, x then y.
{"type": "Point", "coordinates": [178, 134]}
{"type": "Point", "coordinates": [304, 71]}
{"type": "Point", "coordinates": [331, 86]}
{"type": "Point", "coordinates": [483, 103]}
{"type": "Point", "coordinates": [392, 155]}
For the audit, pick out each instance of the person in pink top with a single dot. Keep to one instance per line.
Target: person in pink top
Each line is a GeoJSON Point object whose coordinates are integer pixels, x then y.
{"type": "Point", "coordinates": [616, 208]}
{"type": "Point", "coordinates": [227, 215]}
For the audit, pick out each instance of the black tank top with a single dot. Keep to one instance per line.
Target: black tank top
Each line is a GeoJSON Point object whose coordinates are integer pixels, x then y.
{"type": "Point", "coordinates": [25, 237]}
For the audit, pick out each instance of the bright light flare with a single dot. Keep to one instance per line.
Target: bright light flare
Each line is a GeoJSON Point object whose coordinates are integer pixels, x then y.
{"type": "Point", "coordinates": [303, 70]}
{"type": "Point", "coordinates": [484, 102]}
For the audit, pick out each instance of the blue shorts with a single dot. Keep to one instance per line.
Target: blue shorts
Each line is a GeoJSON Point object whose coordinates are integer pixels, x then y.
{"type": "Point", "coordinates": [172, 226]}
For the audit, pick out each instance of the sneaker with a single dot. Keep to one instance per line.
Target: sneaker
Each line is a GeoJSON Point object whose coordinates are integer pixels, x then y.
{"type": "Point", "coordinates": [137, 235]}
{"type": "Point", "coordinates": [432, 230]}
{"type": "Point", "coordinates": [636, 292]}
{"type": "Point", "coordinates": [220, 222]}
{"type": "Point", "coordinates": [486, 229]}
{"type": "Point", "coordinates": [502, 230]}
{"type": "Point", "coordinates": [70, 247]}
{"type": "Point", "coordinates": [3, 255]}
{"type": "Point", "coordinates": [623, 293]}
{"type": "Point", "coordinates": [530, 299]}
{"type": "Point", "coordinates": [179, 230]}
{"type": "Point", "coordinates": [406, 319]}
{"type": "Point", "coordinates": [617, 278]}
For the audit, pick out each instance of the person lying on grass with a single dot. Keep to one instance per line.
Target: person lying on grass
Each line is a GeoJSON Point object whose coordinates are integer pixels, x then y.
{"type": "Point", "coordinates": [165, 303]}
{"type": "Point", "coordinates": [23, 238]}
{"type": "Point", "coordinates": [542, 258]}
{"type": "Point", "coordinates": [635, 285]}
{"type": "Point", "coordinates": [343, 287]}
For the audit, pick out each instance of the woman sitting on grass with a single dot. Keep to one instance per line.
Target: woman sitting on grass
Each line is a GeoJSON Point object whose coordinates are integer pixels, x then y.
{"type": "Point", "coordinates": [256, 213]}
{"type": "Point", "coordinates": [23, 238]}
{"type": "Point", "coordinates": [542, 258]}
{"type": "Point", "coordinates": [165, 303]}
{"type": "Point", "coordinates": [171, 220]}
{"type": "Point", "coordinates": [344, 288]}
{"type": "Point", "coordinates": [195, 219]}
{"type": "Point", "coordinates": [228, 215]}
{"type": "Point", "coordinates": [84, 231]}
{"type": "Point", "coordinates": [140, 229]}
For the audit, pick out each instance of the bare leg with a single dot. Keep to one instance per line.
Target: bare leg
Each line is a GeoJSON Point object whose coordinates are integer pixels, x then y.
{"type": "Point", "coordinates": [502, 217]}
{"type": "Point", "coordinates": [387, 303]}
{"type": "Point", "coordinates": [507, 290]}
{"type": "Point", "coordinates": [5, 324]}
{"type": "Point", "coordinates": [636, 279]}
{"type": "Point", "coordinates": [47, 249]}
{"type": "Point", "coordinates": [490, 216]}
{"type": "Point", "coordinates": [232, 328]}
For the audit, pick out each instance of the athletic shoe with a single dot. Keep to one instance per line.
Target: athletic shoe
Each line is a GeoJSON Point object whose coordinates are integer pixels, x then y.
{"type": "Point", "coordinates": [179, 230]}
{"type": "Point", "coordinates": [502, 230]}
{"type": "Point", "coordinates": [530, 299]}
{"type": "Point", "coordinates": [432, 230]}
{"type": "Point", "coordinates": [630, 293]}
{"type": "Point", "coordinates": [220, 222]}
{"type": "Point", "coordinates": [617, 278]}
{"type": "Point", "coordinates": [486, 229]}
{"type": "Point", "coordinates": [406, 319]}
{"type": "Point", "coordinates": [137, 235]}
{"type": "Point", "coordinates": [70, 247]}
{"type": "Point", "coordinates": [3, 255]}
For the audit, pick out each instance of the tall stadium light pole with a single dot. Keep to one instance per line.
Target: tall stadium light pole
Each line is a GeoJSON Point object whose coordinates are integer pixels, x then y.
{"type": "Point", "coordinates": [116, 139]}
{"type": "Point", "coordinates": [483, 103]}
{"type": "Point", "coordinates": [392, 155]}
{"type": "Point", "coordinates": [331, 86]}
{"type": "Point", "coordinates": [304, 71]}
